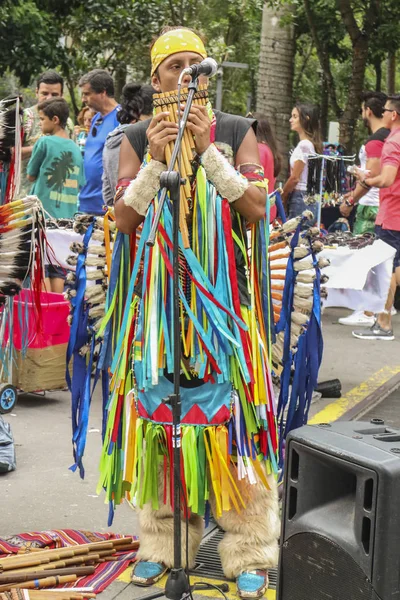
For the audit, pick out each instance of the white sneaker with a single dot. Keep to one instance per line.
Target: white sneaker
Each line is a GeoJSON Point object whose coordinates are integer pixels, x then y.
{"type": "Point", "coordinates": [393, 311]}
{"type": "Point", "coordinates": [357, 318]}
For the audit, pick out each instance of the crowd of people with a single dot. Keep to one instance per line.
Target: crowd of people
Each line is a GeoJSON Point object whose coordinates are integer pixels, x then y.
{"type": "Point", "coordinates": [115, 156]}
{"type": "Point", "coordinates": [66, 182]}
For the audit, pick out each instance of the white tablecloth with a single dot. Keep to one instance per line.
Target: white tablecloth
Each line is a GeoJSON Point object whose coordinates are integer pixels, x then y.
{"type": "Point", "coordinates": [359, 279]}
{"type": "Point", "coordinates": [60, 241]}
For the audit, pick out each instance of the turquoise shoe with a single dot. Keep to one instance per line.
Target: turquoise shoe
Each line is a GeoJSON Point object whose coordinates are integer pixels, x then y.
{"type": "Point", "coordinates": [252, 584]}
{"type": "Point", "coordinates": [146, 573]}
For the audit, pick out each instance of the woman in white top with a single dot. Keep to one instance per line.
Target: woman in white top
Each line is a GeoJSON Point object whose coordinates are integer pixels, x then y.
{"type": "Point", "coordinates": [305, 121]}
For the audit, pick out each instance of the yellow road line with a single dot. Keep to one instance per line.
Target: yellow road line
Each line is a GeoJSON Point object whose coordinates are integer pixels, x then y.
{"type": "Point", "coordinates": [335, 410]}
{"type": "Point", "coordinates": [231, 595]}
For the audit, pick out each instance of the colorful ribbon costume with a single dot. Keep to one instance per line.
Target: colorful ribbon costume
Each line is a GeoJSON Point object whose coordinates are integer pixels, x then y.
{"type": "Point", "coordinates": [228, 409]}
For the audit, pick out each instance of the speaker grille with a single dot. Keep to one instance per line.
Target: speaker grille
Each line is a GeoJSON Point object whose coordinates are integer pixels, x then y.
{"type": "Point", "coordinates": [313, 567]}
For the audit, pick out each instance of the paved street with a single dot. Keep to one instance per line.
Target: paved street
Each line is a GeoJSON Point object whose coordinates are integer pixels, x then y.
{"type": "Point", "coordinates": [44, 494]}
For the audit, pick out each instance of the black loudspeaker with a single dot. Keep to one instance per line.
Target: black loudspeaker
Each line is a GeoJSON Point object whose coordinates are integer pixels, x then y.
{"type": "Point", "coordinates": [341, 513]}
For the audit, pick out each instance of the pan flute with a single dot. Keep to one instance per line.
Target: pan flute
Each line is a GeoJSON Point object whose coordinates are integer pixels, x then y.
{"type": "Point", "coordinates": [168, 101]}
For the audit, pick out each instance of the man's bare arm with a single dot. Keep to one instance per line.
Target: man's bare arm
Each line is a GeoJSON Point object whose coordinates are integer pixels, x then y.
{"type": "Point", "coordinates": [127, 219]}
{"type": "Point", "coordinates": [253, 202]}
{"type": "Point", "coordinates": [385, 178]}
{"type": "Point", "coordinates": [373, 165]}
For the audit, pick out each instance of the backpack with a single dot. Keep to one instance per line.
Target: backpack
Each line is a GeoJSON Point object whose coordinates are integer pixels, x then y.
{"type": "Point", "coordinates": [7, 448]}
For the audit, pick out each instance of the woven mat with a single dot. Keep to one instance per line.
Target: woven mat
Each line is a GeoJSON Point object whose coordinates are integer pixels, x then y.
{"type": "Point", "coordinates": [105, 572]}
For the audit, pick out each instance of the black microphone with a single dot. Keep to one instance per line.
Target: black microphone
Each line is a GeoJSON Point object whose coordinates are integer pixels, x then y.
{"type": "Point", "coordinates": [207, 67]}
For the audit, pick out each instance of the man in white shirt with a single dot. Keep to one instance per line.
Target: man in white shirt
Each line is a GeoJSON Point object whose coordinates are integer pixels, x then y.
{"type": "Point", "coordinates": [366, 200]}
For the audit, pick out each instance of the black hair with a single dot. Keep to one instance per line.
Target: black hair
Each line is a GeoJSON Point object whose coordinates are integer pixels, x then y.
{"type": "Point", "coordinates": [55, 107]}
{"type": "Point", "coordinates": [136, 100]}
{"type": "Point", "coordinates": [395, 102]}
{"type": "Point", "coordinates": [50, 77]}
{"type": "Point", "coordinates": [100, 81]}
{"type": "Point", "coordinates": [375, 101]}
{"type": "Point", "coordinates": [265, 134]}
{"type": "Point", "coordinates": [309, 121]}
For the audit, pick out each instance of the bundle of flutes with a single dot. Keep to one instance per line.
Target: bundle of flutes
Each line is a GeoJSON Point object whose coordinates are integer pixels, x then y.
{"type": "Point", "coordinates": [168, 101]}
{"type": "Point", "coordinates": [29, 594]}
{"type": "Point", "coordinates": [51, 568]}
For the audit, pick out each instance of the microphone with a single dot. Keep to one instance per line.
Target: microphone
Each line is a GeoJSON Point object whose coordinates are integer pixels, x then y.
{"type": "Point", "coordinates": [207, 67]}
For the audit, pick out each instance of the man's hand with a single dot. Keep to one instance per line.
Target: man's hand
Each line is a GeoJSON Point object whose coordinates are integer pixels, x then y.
{"type": "Point", "coordinates": [159, 133]}
{"type": "Point", "coordinates": [344, 208]}
{"type": "Point", "coordinates": [200, 125]}
{"type": "Point", "coordinates": [361, 174]}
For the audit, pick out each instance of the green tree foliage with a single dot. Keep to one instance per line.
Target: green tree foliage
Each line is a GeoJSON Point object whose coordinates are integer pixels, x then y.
{"type": "Point", "coordinates": [75, 36]}
{"type": "Point", "coordinates": [116, 34]}
{"type": "Point", "coordinates": [29, 39]}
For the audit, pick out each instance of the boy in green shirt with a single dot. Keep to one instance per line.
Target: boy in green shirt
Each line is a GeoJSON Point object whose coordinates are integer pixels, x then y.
{"type": "Point", "coordinates": [56, 170]}
{"type": "Point", "coordinates": [56, 165]}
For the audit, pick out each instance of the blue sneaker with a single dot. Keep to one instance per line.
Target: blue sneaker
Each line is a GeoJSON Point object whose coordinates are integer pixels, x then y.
{"type": "Point", "coordinates": [146, 573]}
{"type": "Point", "coordinates": [252, 584]}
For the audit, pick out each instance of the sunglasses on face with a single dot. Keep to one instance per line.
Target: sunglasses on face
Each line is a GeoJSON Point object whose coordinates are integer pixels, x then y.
{"type": "Point", "coordinates": [391, 110]}
{"type": "Point", "coordinates": [96, 125]}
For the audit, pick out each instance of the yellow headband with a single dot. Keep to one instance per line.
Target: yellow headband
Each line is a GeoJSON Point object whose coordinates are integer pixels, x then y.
{"type": "Point", "coordinates": [174, 41]}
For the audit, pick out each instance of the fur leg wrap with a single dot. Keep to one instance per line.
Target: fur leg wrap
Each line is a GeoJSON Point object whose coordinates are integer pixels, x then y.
{"type": "Point", "coordinates": [229, 183]}
{"type": "Point", "coordinates": [141, 191]}
{"type": "Point", "coordinates": [251, 537]}
{"type": "Point", "coordinates": [157, 531]}
{"type": "Point", "coordinates": [157, 536]}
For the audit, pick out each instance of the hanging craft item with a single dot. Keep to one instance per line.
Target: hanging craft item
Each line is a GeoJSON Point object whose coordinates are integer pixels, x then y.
{"type": "Point", "coordinates": [296, 304]}
{"type": "Point", "coordinates": [23, 249]}
{"type": "Point", "coordinates": [10, 148]}
{"type": "Point", "coordinates": [87, 295]}
{"type": "Point", "coordinates": [328, 179]}
{"type": "Point", "coordinates": [22, 245]}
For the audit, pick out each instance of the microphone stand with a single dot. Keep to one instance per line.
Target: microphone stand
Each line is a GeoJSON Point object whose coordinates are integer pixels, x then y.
{"type": "Point", "coordinates": [177, 585]}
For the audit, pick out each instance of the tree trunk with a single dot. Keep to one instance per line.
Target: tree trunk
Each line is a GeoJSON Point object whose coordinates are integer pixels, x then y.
{"type": "Point", "coordinates": [275, 77]}
{"type": "Point", "coordinates": [71, 85]}
{"type": "Point", "coordinates": [359, 39]}
{"type": "Point", "coordinates": [391, 74]}
{"type": "Point", "coordinates": [119, 80]}
{"type": "Point", "coordinates": [378, 74]}
{"type": "Point", "coordinates": [349, 118]}
{"type": "Point", "coordinates": [323, 57]}
{"type": "Point", "coordinates": [324, 107]}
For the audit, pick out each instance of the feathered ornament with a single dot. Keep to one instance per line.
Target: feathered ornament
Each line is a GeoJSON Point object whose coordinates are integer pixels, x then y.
{"type": "Point", "coordinates": [23, 248]}
{"type": "Point", "coordinates": [10, 148]}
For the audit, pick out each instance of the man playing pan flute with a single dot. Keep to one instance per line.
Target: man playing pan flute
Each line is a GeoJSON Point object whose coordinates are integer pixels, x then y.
{"type": "Point", "coordinates": [229, 437]}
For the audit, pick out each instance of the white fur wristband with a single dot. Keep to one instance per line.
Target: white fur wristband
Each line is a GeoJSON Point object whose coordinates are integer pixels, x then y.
{"type": "Point", "coordinates": [141, 191]}
{"type": "Point", "coordinates": [229, 183]}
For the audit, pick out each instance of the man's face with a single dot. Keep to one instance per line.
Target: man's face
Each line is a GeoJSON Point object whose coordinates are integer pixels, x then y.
{"type": "Point", "coordinates": [389, 115]}
{"type": "Point", "coordinates": [91, 98]}
{"type": "Point", "coordinates": [45, 91]}
{"type": "Point", "coordinates": [365, 114]}
{"type": "Point", "coordinates": [166, 79]}
{"type": "Point", "coordinates": [47, 125]}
